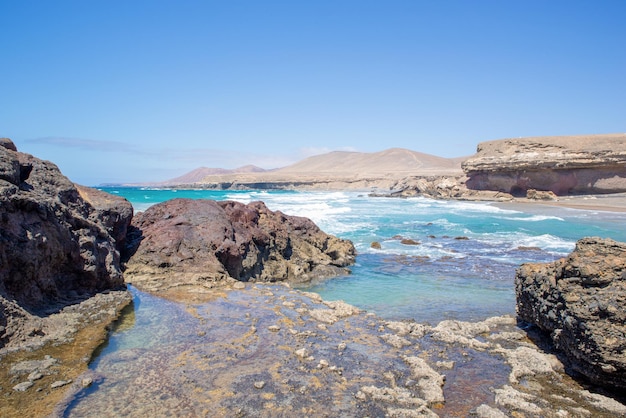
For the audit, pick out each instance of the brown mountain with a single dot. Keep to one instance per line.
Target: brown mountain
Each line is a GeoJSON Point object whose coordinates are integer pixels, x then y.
{"type": "Point", "coordinates": [195, 176]}
{"type": "Point", "coordinates": [335, 170]}
{"type": "Point", "coordinates": [394, 160]}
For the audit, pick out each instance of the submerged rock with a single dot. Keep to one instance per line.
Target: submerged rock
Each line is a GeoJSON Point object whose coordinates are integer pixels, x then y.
{"type": "Point", "coordinates": [185, 241]}
{"type": "Point", "coordinates": [580, 301]}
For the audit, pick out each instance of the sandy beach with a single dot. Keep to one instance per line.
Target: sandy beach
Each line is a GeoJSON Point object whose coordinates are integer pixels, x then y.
{"type": "Point", "coordinates": [615, 202]}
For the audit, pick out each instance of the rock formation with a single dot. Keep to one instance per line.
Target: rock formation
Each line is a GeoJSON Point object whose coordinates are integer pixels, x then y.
{"type": "Point", "coordinates": [563, 165]}
{"type": "Point", "coordinates": [185, 241]}
{"type": "Point", "coordinates": [581, 301]}
{"type": "Point", "coordinates": [59, 243]}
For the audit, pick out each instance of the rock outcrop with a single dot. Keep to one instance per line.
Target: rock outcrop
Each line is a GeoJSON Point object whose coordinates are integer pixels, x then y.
{"type": "Point", "coordinates": [59, 243]}
{"type": "Point", "coordinates": [564, 165]}
{"type": "Point", "coordinates": [185, 241]}
{"type": "Point", "coordinates": [580, 301]}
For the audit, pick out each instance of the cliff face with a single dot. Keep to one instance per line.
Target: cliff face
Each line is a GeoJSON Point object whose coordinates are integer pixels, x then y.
{"type": "Point", "coordinates": [59, 243]}
{"type": "Point", "coordinates": [564, 165]}
{"type": "Point", "coordinates": [185, 241]}
{"type": "Point", "coordinates": [580, 301]}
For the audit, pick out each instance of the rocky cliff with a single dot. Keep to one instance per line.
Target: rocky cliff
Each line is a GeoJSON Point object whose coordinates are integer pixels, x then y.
{"type": "Point", "coordinates": [185, 241]}
{"type": "Point", "coordinates": [564, 165]}
{"type": "Point", "coordinates": [59, 243]}
{"type": "Point", "coordinates": [580, 301]}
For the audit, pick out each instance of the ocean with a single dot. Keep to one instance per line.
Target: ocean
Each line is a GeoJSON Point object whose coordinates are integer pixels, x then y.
{"type": "Point", "coordinates": [463, 266]}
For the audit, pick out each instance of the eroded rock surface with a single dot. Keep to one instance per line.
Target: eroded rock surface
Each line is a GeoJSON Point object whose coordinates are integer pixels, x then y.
{"type": "Point", "coordinates": [185, 241]}
{"type": "Point", "coordinates": [59, 243]}
{"type": "Point", "coordinates": [563, 165]}
{"type": "Point", "coordinates": [580, 301]}
{"type": "Point", "coordinates": [264, 351]}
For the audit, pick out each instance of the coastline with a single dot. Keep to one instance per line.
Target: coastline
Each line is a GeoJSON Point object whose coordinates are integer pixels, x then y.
{"type": "Point", "coordinates": [615, 202]}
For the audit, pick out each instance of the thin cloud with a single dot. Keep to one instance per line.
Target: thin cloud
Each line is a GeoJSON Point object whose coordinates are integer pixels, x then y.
{"type": "Point", "coordinates": [84, 144]}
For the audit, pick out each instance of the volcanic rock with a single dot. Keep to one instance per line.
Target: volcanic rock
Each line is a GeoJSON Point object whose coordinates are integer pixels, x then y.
{"type": "Point", "coordinates": [185, 241]}
{"type": "Point", "coordinates": [562, 164]}
{"type": "Point", "coordinates": [57, 244]}
{"type": "Point", "coordinates": [580, 301]}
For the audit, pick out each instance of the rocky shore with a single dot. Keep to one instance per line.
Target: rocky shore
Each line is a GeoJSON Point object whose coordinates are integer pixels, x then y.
{"type": "Point", "coordinates": [269, 350]}
{"type": "Point", "coordinates": [579, 302]}
{"type": "Point", "coordinates": [61, 282]}
{"type": "Point", "coordinates": [249, 348]}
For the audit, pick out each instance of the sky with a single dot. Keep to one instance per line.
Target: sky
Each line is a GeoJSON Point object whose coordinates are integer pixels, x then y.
{"type": "Point", "coordinates": [130, 91]}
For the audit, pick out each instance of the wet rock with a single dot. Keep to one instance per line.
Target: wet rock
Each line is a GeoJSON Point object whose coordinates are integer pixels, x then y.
{"type": "Point", "coordinates": [36, 375]}
{"type": "Point", "coordinates": [528, 361]}
{"type": "Point", "coordinates": [395, 340]}
{"type": "Point", "coordinates": [60, 383]}
{"type": "Point", "coordinates": [460, 332]}
{"type": "Point", "coordinates": [486, 411]}
{"type": "Point", "coordinates": [259, 385]}
{"type": "Point", "coordinates": [185, 241]}
{"type": "Point", "coordinates": [337, 309]}
{"type": "Point", "coordinates": [23, 387]}
{"type": "Point", "coordinates": [428, 380]}
{"type": "Point", "coordinates": [511, 398]}
{"type": "Point", "coordinates": [375, 245]}
{"type": "Point", "coordinates": [408, 241]}
{"type": "Point", "coordinates": [32, 366]}
{"type": "Point", "coordinates": [580, 301]}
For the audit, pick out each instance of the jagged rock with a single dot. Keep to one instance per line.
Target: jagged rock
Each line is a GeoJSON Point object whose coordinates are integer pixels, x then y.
{"type": "Point", "coordinates": [442, 187]}
{"type": "Point", "coordinates": [563, 165]}
{"type": "Point", "coordinates": [185, 241]}
{"type": "Point", "coordinates": [580, 300]}
{"type": "Point", "coordinates": [55, 246]}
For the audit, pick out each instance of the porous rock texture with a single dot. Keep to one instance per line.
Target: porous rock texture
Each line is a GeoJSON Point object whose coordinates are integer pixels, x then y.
{"type": "Point", "coordinates": [591, 164]}
{"type": "Point", "coordinates": [580, 300]}
{"type": "Point", "coordinates": [59, 243]}
{"type": "Point", "coordinates": [186, 241]}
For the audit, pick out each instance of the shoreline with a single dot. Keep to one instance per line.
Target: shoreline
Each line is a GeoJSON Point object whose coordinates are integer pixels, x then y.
{"type": "Point", "coordinates": [615, 203]}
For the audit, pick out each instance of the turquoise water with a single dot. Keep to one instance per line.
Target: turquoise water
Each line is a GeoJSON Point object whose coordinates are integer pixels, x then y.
{"type": "Point", "coordinates": [464, 265]}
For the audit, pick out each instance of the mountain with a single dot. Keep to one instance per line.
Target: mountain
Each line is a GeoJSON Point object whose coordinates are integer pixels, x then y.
{"type": "Point", "coordinates": [334, 170]}
{"type": "Point", "coordinates": [195, 176]}
{"type": "Point", "coordinates": [394, 160]}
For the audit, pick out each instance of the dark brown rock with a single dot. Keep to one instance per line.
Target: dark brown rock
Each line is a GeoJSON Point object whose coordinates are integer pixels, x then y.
{"type": "Point", "coordinates": [580, 301]}
{"type": "Point", "coordinates": [184, 241]}
{"type": "Point", "coordinates": [8, 144]}
{"type": "Point", "coordinates": [55, 247]}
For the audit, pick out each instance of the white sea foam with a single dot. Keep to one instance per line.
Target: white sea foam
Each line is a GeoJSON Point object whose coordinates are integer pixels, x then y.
{"type": "Point", "coordinates": [534, 218]}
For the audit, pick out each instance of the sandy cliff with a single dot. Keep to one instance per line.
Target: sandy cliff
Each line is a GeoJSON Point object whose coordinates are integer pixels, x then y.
{"type": "Point", "coordinates": [591, 164]}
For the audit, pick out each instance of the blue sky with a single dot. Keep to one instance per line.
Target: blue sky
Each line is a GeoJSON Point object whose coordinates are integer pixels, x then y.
{"type": "Point", "coordinates": [126, 91]}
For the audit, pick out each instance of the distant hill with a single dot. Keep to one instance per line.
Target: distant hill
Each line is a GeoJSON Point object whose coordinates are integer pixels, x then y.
{"type": "Point", "coordinates": [338, 169]}
{"type": "Point", "coordinates": [393, 160]}
{"type": "Point", "coordinates": [195, 176]}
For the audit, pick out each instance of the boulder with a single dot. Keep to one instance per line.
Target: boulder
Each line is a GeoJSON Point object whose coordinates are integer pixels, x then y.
{"type": "Point", "coordinates": [592, 164]}
{"type": "Point", "coordinates": [580, 300]}
{"type": "Point", "coordinates": [185, 241]}
{"type": "Point", "coordinates": [56, 246]}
